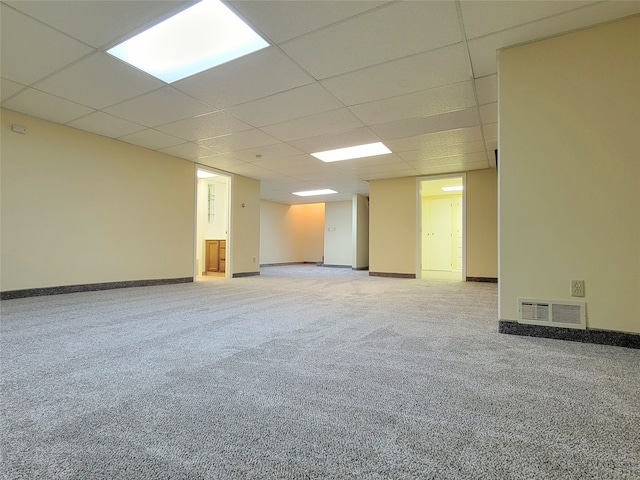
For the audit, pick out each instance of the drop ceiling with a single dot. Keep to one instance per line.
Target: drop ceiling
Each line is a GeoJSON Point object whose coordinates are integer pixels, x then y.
{"type": "Point", "coordinates": [419, 76]}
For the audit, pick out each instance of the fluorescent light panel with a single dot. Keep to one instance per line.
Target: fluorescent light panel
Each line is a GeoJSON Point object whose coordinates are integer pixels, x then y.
{"type": "Point", "coordinates": [311, 193]}
{"type": "Point", "coordinates": [205, 174]}
{"type": "Point", "coordinates": [348, 153]}
{"type": "Point", "coordinates": [453, 188]}
{"type": "Point", "coordinates": [196, 39]}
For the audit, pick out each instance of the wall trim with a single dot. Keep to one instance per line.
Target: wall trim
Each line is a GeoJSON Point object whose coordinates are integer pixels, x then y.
{"type": "Point", "coordinates": [392, 275]}
{"type": "Point", "coordinates": [601, 337]}
{"type": "Point", "coordinates": [89, 287]}
{"type": "Point", "coordinates": [245, 274]}
{"type": "Point", "coordinates": [335, 266]}
{"type": "Point", "coordinates": [283, 264]}
{"type": "Point", "coordinates": [360, 268]}
{"type": "Point", "coordinates": [482, 279]}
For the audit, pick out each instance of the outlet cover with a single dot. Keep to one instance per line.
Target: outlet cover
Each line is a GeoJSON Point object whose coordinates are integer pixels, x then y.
{"type": "Point", "coordinates": [577, 288]}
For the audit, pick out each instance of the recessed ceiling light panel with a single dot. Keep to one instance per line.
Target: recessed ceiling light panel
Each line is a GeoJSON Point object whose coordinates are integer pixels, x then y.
{"type": "Point", "coordinates": [348, 153]}
{"type": "Point", "coordinates": [311, 193]}
{"type": "Point", "coordinates": [453, 188]}
{"type": "Point", "coordinates": [196, 39]}
{"type": "Point", "coordinates": [205, 174]}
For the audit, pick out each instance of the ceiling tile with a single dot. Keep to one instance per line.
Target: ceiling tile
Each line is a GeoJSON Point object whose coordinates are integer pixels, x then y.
{"type": "Point", "coordinates": [321, 124]}
{"type": "Point", "coordinates": [482, 18]}
{"type": "Point", "coordinates": [489, 113]}
{"type": "Point", "coordinates": [43, 105]}
{"type": "Point", "coordinates": [30, 50]}
{"type": "Point", "coordinates": [487, 89]}
{"type": "Point", "coordinates": [490, 130]}
{"type": "Point", "coordinates": [411, 127]}
{"type": "Point", "coordinates": [189, 151]}
{"type": "Point", "coordinates": [426, 102]}
{"type": "Point", "coordinates": [99, 81]}
{"type": "Point", "coordinates": [281, 21]}
{"type": "Point", "coordinates": [295, 163]}
{"type": "Point", "coordinates": [279, 150]}
{"type": "Point", "coordinates": [239, 141]}
{"type": "Point", "coordinates": [367, 162]}
{"type": "Point", "coordinates": [396, 30]}
{"type": "Point", "coordinates": [9, 88]}
{"type": "Point", "coordinates": [204, 126]}
{"type": "Point", "coordinates": [296, 103]}
{"type": "Point", "coordinates": [253, 76]}
{"type": "Point", "coordinates": [160, 106]}
{"type": "Point", "coordinates": [96, 22]}
{"type": "Point", "coordinates": [450, 160]}
{"type": "Point", "coordinates": [400, 173]}
{"type": "Point", "coordinates": [432, 140]}
{"type": "Point", "coordinates": [407, 75]}
{"type": "Point", "coordinates": [349, 138]}
{"type": "Point", "coordinates": [223, 162]}
{"type": "Point", "coordinates": [483, 49]}
{"type": "Point", "coordinates": [152, 139]}
{"type": "Point", "coordinates": [443, 151]}
{"type": "Point", "coordinates": [107, 125]}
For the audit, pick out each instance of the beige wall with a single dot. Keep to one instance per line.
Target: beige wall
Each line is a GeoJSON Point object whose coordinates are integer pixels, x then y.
{"type": "Point", "coordinates": [313, 231]}
{"type": "Point", "coordinates": [482, 223]}
{"type": "Point", "coordinates": [338, 240]}
{"type": "Point", "coordinates": [245, 226]}
{"type": "Point", "coordinates": [392, 225]}
{"type": "Point", "coordinates": [78, 208]}
{"type": "Point", "coordinates": [569, 170]}
{"type": "Point", "coordinates": [281, 238]}
{"type": "Point", "coordinates": [360, 231]}
{"type": "Point", "coordinates": [291, 233]}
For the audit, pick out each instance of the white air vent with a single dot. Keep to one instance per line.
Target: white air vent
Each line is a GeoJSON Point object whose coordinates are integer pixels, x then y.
{"type": "Point", "coordinates": [552, 313]}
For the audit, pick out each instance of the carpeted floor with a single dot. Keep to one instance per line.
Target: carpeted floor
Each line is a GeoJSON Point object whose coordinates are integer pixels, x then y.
{"type": "Point", "coordinates": [306, 372]}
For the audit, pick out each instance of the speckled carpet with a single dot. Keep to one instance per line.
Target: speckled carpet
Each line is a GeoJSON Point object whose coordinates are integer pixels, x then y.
{"type": "Point", "coordinates": [306, 372]}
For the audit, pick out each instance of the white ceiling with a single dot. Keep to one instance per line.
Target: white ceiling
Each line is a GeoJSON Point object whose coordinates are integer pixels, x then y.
{"type": "Point", "coordinates": [418, 75]}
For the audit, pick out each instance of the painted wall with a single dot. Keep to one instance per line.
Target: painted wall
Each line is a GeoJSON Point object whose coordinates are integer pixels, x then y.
{"type": "Point", "coordinates": [79, 208]}
{"type": "Point", "coordinates": [568, 173]}
{"type": "Point", "coordinates": [219, 227]}
{"type": "Point", "coordinates": [313, 231]}
{"type": "Point", "coordinates": [392, 225]}
{"type": "Point", "coordinates": [360, 233]}
{"type": "Point", "coordinates": [245, 226]}
{"type": "Point", "coordinates": [482, 223]}
{"type": "Point", "coordinates": [291, 233]}
{"type": "Point", "coordinates": [338, 243]}
{"type": "Point", "coordinates": [281, 239]}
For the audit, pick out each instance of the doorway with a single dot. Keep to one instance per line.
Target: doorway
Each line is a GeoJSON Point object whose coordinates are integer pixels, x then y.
{"type": "Point", "coordinates": [213, 195]}
{"type": "Point", "coordinates": [441, 243]}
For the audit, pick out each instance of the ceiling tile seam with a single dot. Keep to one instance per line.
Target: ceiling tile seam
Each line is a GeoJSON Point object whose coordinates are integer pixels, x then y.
{"type": "Point", "coordinates": [543, 19]}
{"type": "Point", "coordinates": [25, 89]}
{"type": "Point", "coordinates": [343, 20]}
{"type": "Point", "coordinates": [360, 69]}
{"type": "Point", "coordinates": [410, 93]}
{"type": "Point", "coordinates": [463, 33]}
{"type": "Point", "coordinates": [20, 12]}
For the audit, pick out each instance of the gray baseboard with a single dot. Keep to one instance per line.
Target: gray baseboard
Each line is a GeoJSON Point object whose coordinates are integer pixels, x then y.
{"type": "Point", "coordinates": [245, 274]}
{"type": "Point", "coordinates": [601, 337]}
{"type": "Point", "coordinates": [89, 287]}
{"type": "Point", "coordinates": [392, 275]}
{"type": "Point", "coordinates": [335, 266]}
{"type": "Point", "coordinates": [360, 268]}
{"type": "Point", "coordinates": [482, 279]}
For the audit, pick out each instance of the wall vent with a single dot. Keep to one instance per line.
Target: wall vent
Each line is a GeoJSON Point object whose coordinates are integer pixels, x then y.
{"type": "Point", "coordinates": [552, 313]}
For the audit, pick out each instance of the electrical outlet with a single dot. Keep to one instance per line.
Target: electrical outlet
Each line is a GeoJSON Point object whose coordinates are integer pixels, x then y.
{"type": "Point", "coordinates": [577, 288]}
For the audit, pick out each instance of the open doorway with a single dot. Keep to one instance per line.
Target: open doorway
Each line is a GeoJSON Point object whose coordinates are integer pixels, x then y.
{"type": "Point", "coordinates": [212, 225]}
{"type": "Point", "coordinates": [442, 245]}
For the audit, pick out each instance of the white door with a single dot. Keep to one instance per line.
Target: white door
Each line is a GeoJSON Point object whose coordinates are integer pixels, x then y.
{"type": "Point", "coordinates": [436, 234]}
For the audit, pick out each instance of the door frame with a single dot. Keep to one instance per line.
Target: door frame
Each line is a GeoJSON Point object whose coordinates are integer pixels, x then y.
{"type": "Point", "coordinates": [228, 263]}
{"type": "Point", "coordinates": [419, 181]}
